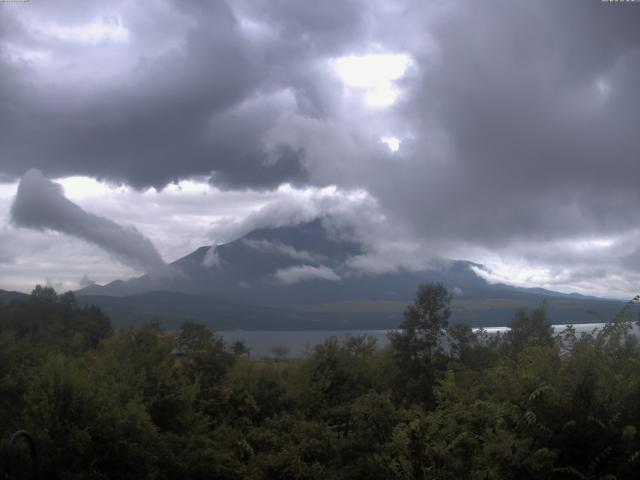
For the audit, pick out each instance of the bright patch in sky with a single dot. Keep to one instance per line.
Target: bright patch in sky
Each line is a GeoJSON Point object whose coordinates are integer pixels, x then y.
{"type": "Point", "coordinates": [8, 190]}
{"type": "Point", "coordinates": [515, 273]}
{"type": "Point", "coordinates": [371, 71]}
{"type": "Point", "coordinates": [381, 97]}
{"type": "Point", "coordinates": [603, 87]}
{"type": "Point", "coordinates": [93, 32]}
{"type": "Point", "coordinates": [392, 142]}
{"type": "Point", "coordinates": [594, 243]}
{"type": "Point", "coordinates": [82, 187]}
{"type": "Point", "coordinates": [187, 186]}
{"type": "Point", "coordinates": [374, 74]}
{"type": "Point", "coordinates": [17, 53]}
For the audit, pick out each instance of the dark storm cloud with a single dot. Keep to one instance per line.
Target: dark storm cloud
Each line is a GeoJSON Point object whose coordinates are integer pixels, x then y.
{"type": "Point", "coordinates": [192, 110]}
{"type": "Point", "coordinates": [520, 125]}
{"type": "Point", "coordinates": [518, 121]}
{"type": "Point", "coordinates": [197, 100]}
{"type": "Point", "coordinates": [41, 204]}
{"type": "Point", "coordinates": [538, 107]}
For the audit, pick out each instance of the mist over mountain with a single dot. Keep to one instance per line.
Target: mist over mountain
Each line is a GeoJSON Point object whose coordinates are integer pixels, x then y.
{"type": "Point", "coordinates": [298, 277]}
{"type": "Point", "coordinates": [294, 265]}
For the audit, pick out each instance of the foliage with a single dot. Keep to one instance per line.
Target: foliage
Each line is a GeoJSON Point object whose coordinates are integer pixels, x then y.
{"type": "Point", "coordinates": [417, 345]}
{"type": "Point", "coordinates": [439, 402]}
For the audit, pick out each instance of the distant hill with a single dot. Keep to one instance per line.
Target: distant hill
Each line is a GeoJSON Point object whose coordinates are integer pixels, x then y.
{"type": "Point", "coordinates": [298, 277]}
{"type": "Point", "coordinates": [172, 308]}
{"type": "Point", "coordinates": [6, 296]}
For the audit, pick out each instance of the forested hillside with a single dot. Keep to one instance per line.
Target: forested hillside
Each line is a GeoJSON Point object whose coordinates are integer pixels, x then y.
{"type": "Point", "coordinates": [147, 403]}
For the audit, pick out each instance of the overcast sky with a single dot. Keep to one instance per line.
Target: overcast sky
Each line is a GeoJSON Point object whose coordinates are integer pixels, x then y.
{"type": "Point", "coordinates": [507, 133]}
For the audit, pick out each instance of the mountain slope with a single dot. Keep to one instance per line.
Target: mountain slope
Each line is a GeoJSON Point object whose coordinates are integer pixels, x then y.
{"type": "Point", "coordinates": [6, 296]}
{"type": "Point", "coordinates": [247, 269]}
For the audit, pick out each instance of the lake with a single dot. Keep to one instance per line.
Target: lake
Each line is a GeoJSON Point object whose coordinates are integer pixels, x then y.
{"type": "Point", "coordinates": [261, 342]}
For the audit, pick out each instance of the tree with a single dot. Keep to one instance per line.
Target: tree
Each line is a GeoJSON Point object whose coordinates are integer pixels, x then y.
{"type": "Point", "coordinates": [529, 329]}
{"type": "Point", "coordinates": [419, 340]}
{"type": "Point", "coordinates": [45, 293]}
{"type": "Point", "coordinates": [424, 322]}
{"type": "Point", "coordinates": [195, 337]}
{"type": "Point", "coordinates": [461, 339]}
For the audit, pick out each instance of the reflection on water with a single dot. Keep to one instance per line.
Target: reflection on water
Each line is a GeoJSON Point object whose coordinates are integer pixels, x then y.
{"type": "Point", "coordinates": [296, 343]}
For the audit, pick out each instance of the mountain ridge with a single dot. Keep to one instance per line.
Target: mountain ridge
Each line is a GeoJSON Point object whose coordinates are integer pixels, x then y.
{"type": "Point", "coordinates": [297, 277]}
{"type": "Point", "coordinates": [298, 265]}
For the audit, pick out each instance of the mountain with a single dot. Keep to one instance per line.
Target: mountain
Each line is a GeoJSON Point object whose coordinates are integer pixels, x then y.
{"type": "Point", "coordinates": [296, 265]}
{"type": "Point", "coordinates": [297, 277]}
{"type": "Point", "coordinates": [254, 267]}
{"type": "Point", "coordinates": [6, 296]}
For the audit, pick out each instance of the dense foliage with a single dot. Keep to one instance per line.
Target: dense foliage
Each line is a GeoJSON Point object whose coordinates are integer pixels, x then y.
{"type": "Point", "coordinates": [440, 402]}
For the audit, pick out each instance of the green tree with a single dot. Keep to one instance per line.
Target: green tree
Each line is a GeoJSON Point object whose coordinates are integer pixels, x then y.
{"type": "Point", "coordinates": [418, 343]}
{"type": "Point", "coordinates": [529, 329]}
{"type": "Point", "coordinates": [44, 293]}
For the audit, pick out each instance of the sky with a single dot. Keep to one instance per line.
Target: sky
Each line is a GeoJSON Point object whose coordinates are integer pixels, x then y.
{"type": "Point", "coordinates": [501, 132]}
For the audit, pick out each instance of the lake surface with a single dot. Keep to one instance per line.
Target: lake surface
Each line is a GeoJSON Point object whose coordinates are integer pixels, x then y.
{"type": "Point", "coordinates": [296, 343]}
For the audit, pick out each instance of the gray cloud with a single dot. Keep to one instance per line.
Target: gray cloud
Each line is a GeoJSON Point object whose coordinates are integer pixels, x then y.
{"type": "Point", "coordinates": [41, 204]}
{"type": "Point", "coordinates": [537, 105]}
{"type": "Point", "coordinates": [194, 91]}
{"type": "Point", "coordinates": [518, 120]}
{"type": "Point", "coordinates": [188, 108]}
{"type": "Point", "coordinates": [86, 281]}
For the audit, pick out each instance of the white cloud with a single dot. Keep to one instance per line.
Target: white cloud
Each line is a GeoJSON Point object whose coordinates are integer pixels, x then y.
{"type": "Point", "coordinates": [392, 142]}
{"type": "Point", "coordinates": [93, 32]}
{"type": "Point", "coordinates": [374, 74]}
{"type": "Point", "coordinates": [84, 187]}
{"type": "Point", "coordinates": [371, 71]}
{"type": "Point", "coordinates": [18, 54]}
{"type": "Point", "coordinates": [211, 259]}
{"type": "Point", "coordinates": [292, 206]}
{"type": "Point", "coordinates": [279, 248]}
{"type": "Point", "coordinates": [305, 273]}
